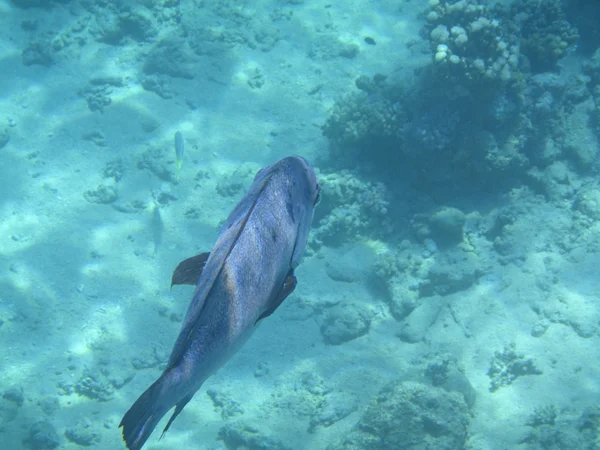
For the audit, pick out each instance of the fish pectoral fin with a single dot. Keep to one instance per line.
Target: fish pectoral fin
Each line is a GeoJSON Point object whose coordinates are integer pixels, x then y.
{"type": "Point", "coordinates": [178, 408]}
{"type": "Point", "coordinates": [189, 270]}
{"type": "Point", "coordinates": [288, 286]}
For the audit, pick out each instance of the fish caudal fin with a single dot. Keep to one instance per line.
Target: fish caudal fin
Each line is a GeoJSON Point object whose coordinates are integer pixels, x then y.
{"type": "Point", "coordinates": [141, 419]}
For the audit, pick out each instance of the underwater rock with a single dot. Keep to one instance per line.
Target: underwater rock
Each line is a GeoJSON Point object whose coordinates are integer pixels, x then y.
{"type": "Point", "coordinates": [329, 46]}
{"type": "Point", "coordinates": [241, 436]}
{"type": "Point", "coordinates": [261, 370]}
{"type": "Point", "coordinates": [347, 265]}
{"type": "Point", "coordinates": [414, 327]}
{"type": "Point", "coordinates": [409, 415]}
{"type": "Point", "coordinates": [350, 208]}
{"type": "Point", "coordinates": [507, 366]}
{"type": "Point", "coordinates": [10, 402]}
{"type": "Point", "coordinates": [582, 142]}
{"type": "Point", "coordinates": [158, 84]}
{"type": "Point", "coordinates": [138, 23]}
{"type": "Point", "coordinates": [97, 97]}
{"type": "Point", "coordinates": [540, 328]}
{"type": "Point", "coordinates": [254, 29]}
{"type": "Point", "coordinates": [576, 312]}
{"type": "Point", "coordinates": [38, 53]}
{"type": "Point", "coordinates": [102, 194]}
{"type": "Point", "coordinates": [49, 405]}
{"type": "Point", "coordinates": [562, 430]}
{"type": "Point", "coordinates": [156, 160]}
{"type": "Point", "coordinates": [42, 436]}
{"type": "Point", "coordinates": [114, 169]}
{"type": "Point", "coordinates": [402, 300]}
{"type": "Point", "coordinates": [117, 22]}
{"type": "Point", "coordinates": [149, 359]}
{"type": "Point", "coordinates": [557, 181]}
{"type": "Point", "coordinates": [15, 395]}
{"type": "Point", "coordinates": [591, 67]}
{"type": "Point", "coordinates": [434, 128]}
{"type": "Point", "coordinates": [587, 201]}
{"type": "Point", "coordinates": [306, 400]}
{"type": "Point", "coordinates": [94, 386]}
{"type": "Point", "coordinates": [37, 3]}
{"type": "Point", "coordinates": [447, 225]}
{"type": "Point", "coordinates": [149, 123]}
{"type": "Point", "coordinates": [444, 373]}
{"type": "Point", "coordinates": [4, 137]}
{"type": "Point", "coordinates": [343, 272]}
{"type": "Point", "coordinates": [96, 137]}
{"type": "Point", "coordinates": [345, 323]}
{"type": "Point", "coordinates": [172, 57]}
{"type": "Point", "coordinates": [453, 271]}
{"type": "Point", "coordinates": [233, 183]}
{"type": "Point", "coordinates": [82, 433]}
{"type": "Point", "coordinates": [337, 406]}
{"type": "Point", "coordinates": [362, 122]}
{"type": "Point", "coordinates": [470, 42]}
{"type": "Point", "coordinates": [315, 384]}
{"type": "Point", "coordinates": [546, 36]}
{"type": "Point", "coordinates": [224, 403]}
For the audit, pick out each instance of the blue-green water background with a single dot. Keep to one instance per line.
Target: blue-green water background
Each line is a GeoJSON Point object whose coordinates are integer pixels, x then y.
{"type": "Point", "coordinates": [448, 298]}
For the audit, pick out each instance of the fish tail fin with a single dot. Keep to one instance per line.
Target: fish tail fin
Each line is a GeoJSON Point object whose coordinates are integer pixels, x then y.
{"type": "Point", "coordinates": [143, 416]}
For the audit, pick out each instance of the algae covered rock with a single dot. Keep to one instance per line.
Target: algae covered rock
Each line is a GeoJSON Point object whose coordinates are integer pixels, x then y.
{"type": "Point", "coordinates": [38, 52]}
{"type": "Point", "coordinates": [10, 403]}
{"type": "Point", "coordinates": [4, 137]}
{"type": "Point", "coordinates": [102, 194]}
{"type": "Point", "coordinates": [173, 57]}
{"type": "Point", "coordinates": [83, 433]}
{"type": "Point", "coordinates": [46, 4]}
{"type": "Point", "coordinates": [351, 207]}
{"type": "Point", "coordinates": [246, 437]}
{"type": "Point", "coordinates": [42, 436]}
{"type": "Point", "coordinates": [447, 225]}
{"type": "Point", "coordinates": [452, 272]}
{"type": "Point", "coordinates": [410, 415]}
{"type": "Point", "coordinates": [588, 202]}
{"type": "Point", "coordinates": [562, 430]}
{"type": "Point", "coordinates": [508, 365]}
{"type": "Point", "coordinates": [345, 323]}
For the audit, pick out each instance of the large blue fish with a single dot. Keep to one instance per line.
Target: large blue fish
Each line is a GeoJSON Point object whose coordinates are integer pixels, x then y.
{"type": "Point", "coordinates": [246, 276]}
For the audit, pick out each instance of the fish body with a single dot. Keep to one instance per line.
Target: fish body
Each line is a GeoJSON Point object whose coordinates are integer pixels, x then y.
{"type": "Point", "coordinates": [157, 226]}
{"type": "Point", "coordinates": [179, 150]}
{"type": "Point", "coordinates": [246, 276]}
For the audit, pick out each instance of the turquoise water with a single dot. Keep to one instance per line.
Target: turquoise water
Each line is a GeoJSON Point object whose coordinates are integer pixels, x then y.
{"type": "Point", "coordinates": [448, 296]}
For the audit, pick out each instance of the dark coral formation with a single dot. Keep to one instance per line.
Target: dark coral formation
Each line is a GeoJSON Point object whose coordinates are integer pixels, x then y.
{"type": "Point", "coordinates": [410, 415]}
{"type": "Point", "coordinates": [508, 365]}
{"type": "Point", "coordinates": [491, 111]}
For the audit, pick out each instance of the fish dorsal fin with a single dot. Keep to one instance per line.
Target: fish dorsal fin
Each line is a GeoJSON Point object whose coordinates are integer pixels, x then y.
{"type": "Point", "coordinates": [189, 270]}
{"type": "Point", "coordinates": [288, 286]}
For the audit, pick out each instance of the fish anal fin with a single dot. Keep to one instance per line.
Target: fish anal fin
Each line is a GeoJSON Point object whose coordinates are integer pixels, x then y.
{"type": "Point", "coordinates": [288, 286]}
{"type": "Point", "coordinates": [178, 408]}
{"type": "Point", "coordinates": [189, 270]}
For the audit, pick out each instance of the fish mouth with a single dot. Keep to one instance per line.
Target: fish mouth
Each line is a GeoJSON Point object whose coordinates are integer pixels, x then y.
{"type": "Point", "coordinates": [317, 199]}
{"type": "Point", "coordinates": [312, 177]}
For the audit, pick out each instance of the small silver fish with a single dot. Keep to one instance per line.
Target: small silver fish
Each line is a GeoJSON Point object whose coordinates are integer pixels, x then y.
{"type": "Point", "coordinates": [179, 150]}
{"type": "Point", "coordinates": [157, 227]}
